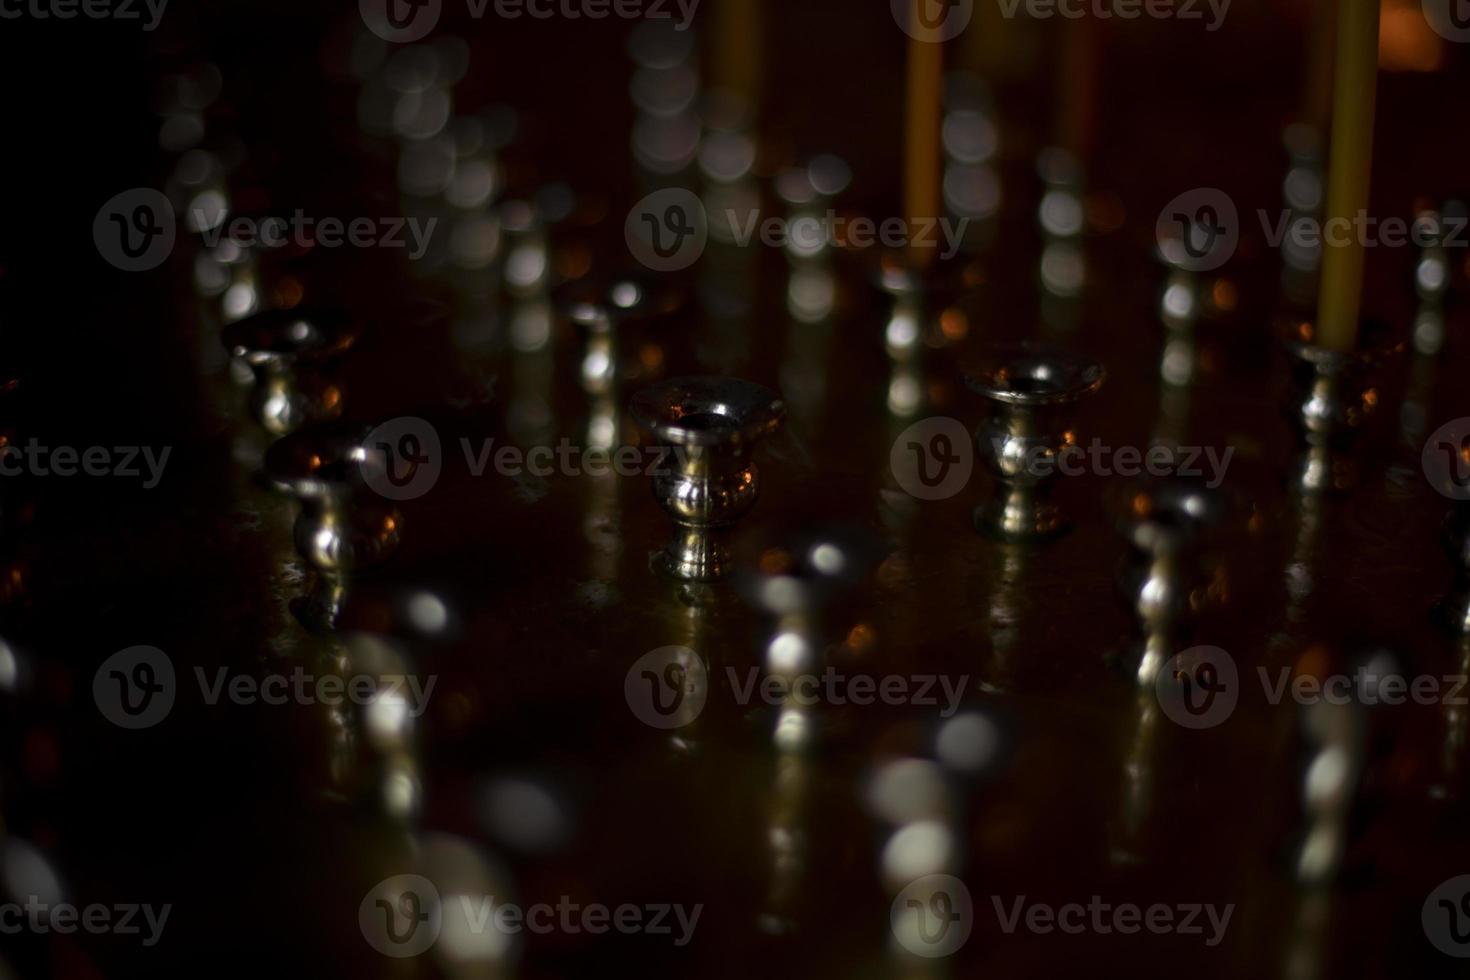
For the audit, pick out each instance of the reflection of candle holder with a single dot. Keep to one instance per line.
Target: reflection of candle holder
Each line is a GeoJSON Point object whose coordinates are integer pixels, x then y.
{"type": "Point", "coordinates": [342, 528]}
{"type": "Point", "coordinates": [1172, 574]}
{"type": "Point", "coordinates": [1026, 436]}
{"type": "Point", "coordinates": [600, 310]}
{"type": "Point", "coordinates": [1333, 395]}
{"type": "Point", "coordinates": [287, 351]}
{"type": "Point", "coordinates": [709, 480]}
{"type": "Point", "coordinates": [922, 301]}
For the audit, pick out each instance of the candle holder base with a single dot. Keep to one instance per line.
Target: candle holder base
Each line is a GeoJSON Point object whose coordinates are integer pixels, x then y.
{"type": "Point", "coordinates": [1029, 433]}
{"type": "Point", "coordinates": [710, 425]}
{"type": "Point", "coordinates": [1333, 396]}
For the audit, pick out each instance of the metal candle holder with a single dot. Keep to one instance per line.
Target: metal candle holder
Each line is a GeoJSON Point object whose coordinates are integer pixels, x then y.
{"type": "Point", "coordinates": [342, 528]}
{"type": "Point", "coordinates": [1033, 391]}
{"type": "Point", "coordinates": [286, 351]}
{"type": "Point", "coordinates": [708, 480]}
{"type": "Point", "coordinates": [1333, 395]}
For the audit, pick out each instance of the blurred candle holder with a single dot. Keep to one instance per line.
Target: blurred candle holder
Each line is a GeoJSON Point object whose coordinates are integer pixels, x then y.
{"type": "Point", "coordinates": [1033, 391]}
{"type": "Point", "coordinates": [1332, 396]}
{"type": "Point", "coordinates": [708, 480]}
{"type": "Point", "coordinates": [342, 528]}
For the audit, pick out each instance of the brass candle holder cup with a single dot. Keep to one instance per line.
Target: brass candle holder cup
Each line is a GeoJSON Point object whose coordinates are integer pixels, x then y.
{"type": "Point", "coordinates": [1033, 391]}
{"type": "Point", "coordinates": [708, 480]}
{"type": "Point", "coordinates": [1332, 396]}
{"type": "Point", "coordinates": [343, 528]}
{"type": "Point", "coordinates": [287, 352]}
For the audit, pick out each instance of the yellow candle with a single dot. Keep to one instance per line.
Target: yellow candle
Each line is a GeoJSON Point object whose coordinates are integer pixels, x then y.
{"type": "Point", "coordinates": [1350, 165]}
{"type": "Point", "coordinates": [922, 141]}
{"type": "Point", "coordinates": [738, 47]}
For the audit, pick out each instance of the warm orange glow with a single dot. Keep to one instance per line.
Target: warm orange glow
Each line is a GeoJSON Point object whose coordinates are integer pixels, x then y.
{"type": "Point", "coordinates": [861, 639]}
{"type": "Point", "coordinates": [575, 262]}
{"type": "Point", "coordinates": [954, 324]}
{"type": "Point", "coordinates": [1313, 662]}
{"type": "Point", "coordinates": [1406, 42]}
{"type": "Point", "coordinates": [651, 356]}
{"type": "Point", "coordinates": [288, 293]}
{"type": "Point", "coordinates": [1225, 295]}
{"type": "Point", "coordinates": [775, 561]}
